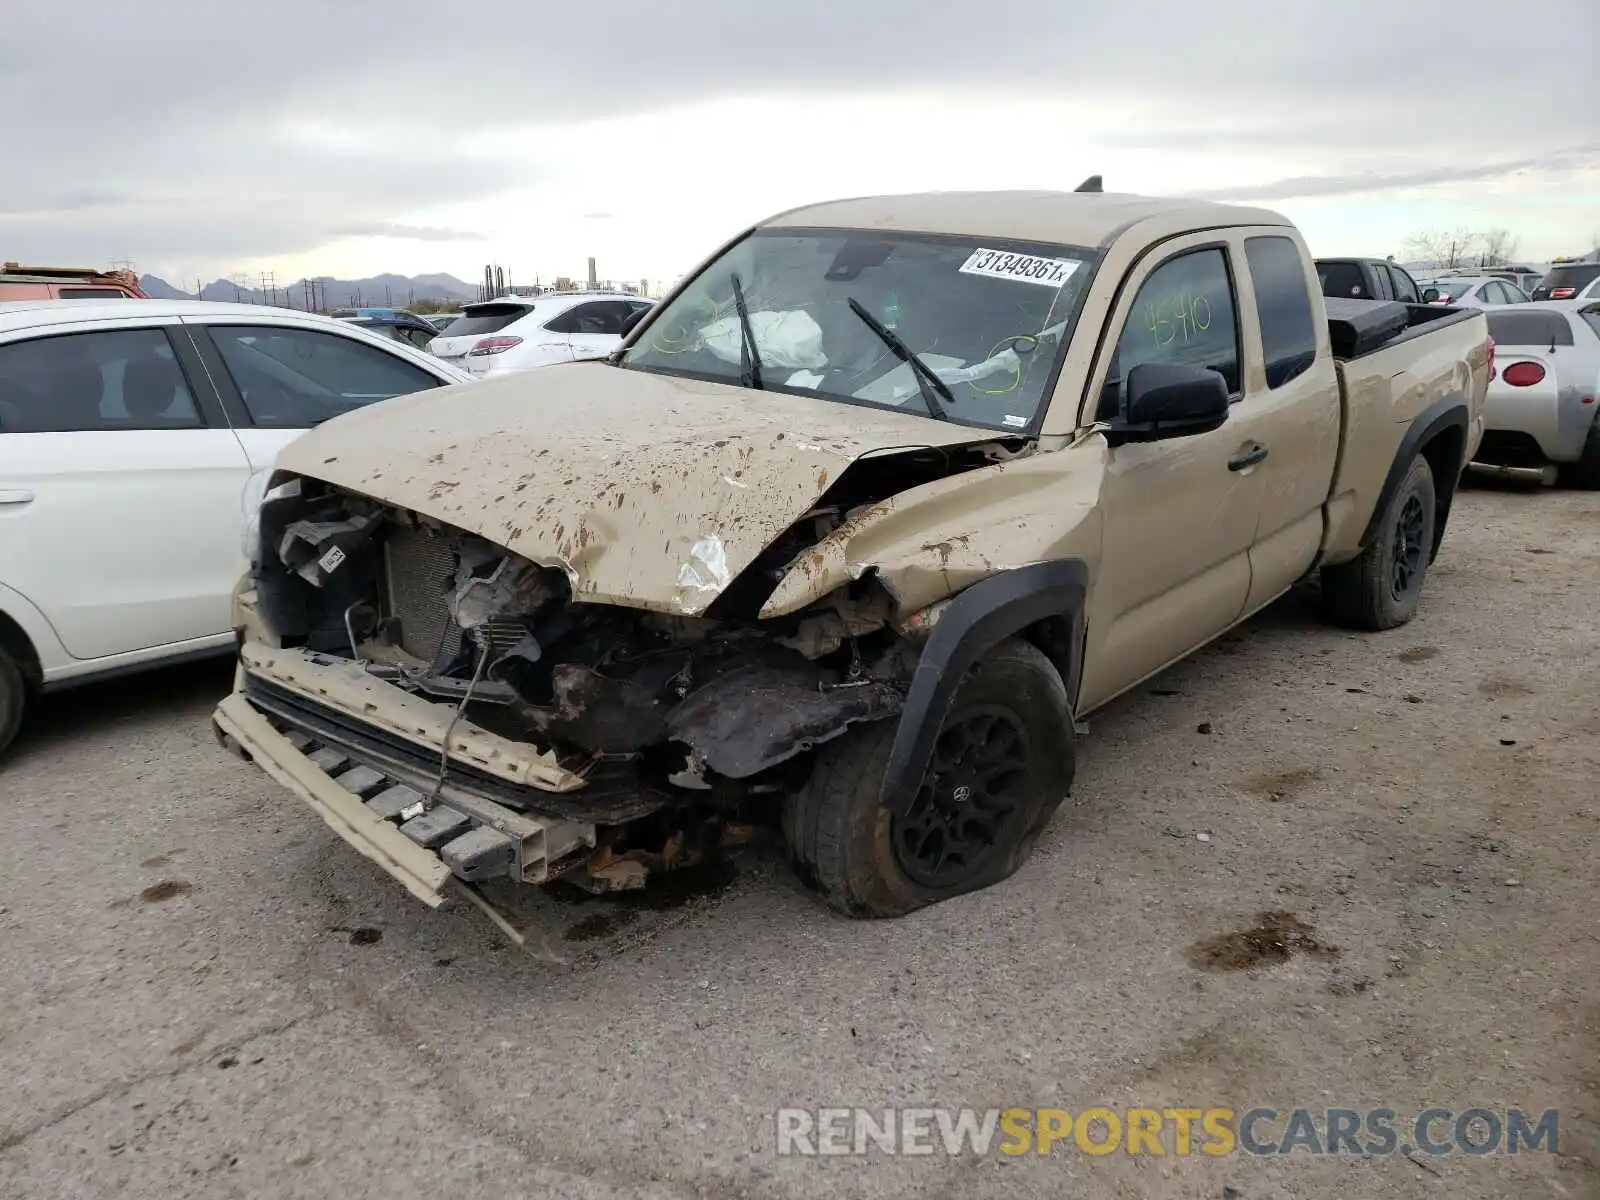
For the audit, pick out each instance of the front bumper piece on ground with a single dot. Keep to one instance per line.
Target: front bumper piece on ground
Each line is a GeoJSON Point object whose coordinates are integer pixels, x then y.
{"type": "Point", "coordinates": [452, 844]}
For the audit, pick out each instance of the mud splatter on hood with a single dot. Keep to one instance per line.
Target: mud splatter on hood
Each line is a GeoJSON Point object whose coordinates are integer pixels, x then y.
{"type": "Point", "coordinates": [650, 491]}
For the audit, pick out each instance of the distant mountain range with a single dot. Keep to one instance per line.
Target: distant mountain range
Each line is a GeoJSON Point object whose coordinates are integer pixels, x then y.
{"type": "Point", "coordinates": [395, 291]}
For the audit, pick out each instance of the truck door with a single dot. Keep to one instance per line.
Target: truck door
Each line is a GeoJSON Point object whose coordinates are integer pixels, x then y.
{"type": "Point", "coordinates": [1290, 408]}
{"type": "Point", "coordinates": [1179, 514]}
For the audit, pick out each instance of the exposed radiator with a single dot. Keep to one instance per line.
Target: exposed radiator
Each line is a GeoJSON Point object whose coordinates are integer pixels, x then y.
{"type": "Point", "coordinates": [421, 569]}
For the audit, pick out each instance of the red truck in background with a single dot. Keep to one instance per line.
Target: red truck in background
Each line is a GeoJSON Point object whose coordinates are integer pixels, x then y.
{"type": "Point", "coordinates": [18, 282]}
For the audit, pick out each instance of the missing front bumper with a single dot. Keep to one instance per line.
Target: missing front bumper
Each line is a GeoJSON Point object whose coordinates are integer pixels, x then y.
{"type": "Point", "coordinates": [463, 838]}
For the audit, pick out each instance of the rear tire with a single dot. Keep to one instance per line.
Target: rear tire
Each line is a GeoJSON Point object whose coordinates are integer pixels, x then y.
{"type": "Point", "coordinates": [1004, 762]}
{"type": "Point", "coordinates": [1382, 587]}
{"type": "Point", "coordinates": [1585, 473]}
{"type": "Point", "coordinates": [13, 694]}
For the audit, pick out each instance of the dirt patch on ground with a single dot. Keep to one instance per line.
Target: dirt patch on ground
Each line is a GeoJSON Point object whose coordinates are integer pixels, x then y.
{"type": "Point", "coordinates": [167, 889]}
{"type": "Point", "coordinates": [1281, 785]}
{"type": "Point", "coordinates": [1502, 687]}
{"type": "Point", "coordinates": [1273, 939]}
{"type": "Point", "coordinates": [600, 924]}
{"type": "Point", "coordinates": [1418, 654]}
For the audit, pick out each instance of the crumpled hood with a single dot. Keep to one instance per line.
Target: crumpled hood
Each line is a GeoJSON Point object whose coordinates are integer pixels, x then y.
{"type": "Point", "coordinates": [648, 490]}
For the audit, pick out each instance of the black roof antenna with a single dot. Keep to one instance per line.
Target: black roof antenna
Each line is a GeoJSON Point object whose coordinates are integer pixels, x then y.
{"type": "Point", "coordinates": [1091, 184]}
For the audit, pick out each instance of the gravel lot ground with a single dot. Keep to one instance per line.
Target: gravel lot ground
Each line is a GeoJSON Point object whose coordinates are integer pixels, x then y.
{"type": "Point", "coordinates": [187, 1010]}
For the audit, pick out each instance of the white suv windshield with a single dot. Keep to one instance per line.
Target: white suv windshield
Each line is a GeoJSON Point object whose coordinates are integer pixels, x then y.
{"type": "Point", "coordinates": [988, 317]}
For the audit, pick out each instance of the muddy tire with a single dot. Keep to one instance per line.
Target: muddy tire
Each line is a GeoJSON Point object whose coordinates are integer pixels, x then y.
{"type": "Point", "coordinates": [1003, 762]}
{"type": "Point", "coordinates": [12, 695]}
{"type": "Point", "coordinates": [1585, 473]}
{"type": "Point", "coordinates": [1381, 588]}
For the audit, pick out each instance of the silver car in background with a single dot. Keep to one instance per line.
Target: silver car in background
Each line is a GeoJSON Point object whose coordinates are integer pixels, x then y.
{"type": "Point", "coordinates": [1544, 395]}
{"type": "Point", "coordinates": [1476, 291]}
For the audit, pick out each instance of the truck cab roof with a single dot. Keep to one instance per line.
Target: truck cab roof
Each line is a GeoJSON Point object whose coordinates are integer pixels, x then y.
{"type": "Point", "coordinates": [1068, 218]}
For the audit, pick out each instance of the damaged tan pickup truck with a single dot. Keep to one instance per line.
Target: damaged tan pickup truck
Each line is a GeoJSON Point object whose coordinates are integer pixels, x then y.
{"type": "Point", "coordinates": [844, 538]}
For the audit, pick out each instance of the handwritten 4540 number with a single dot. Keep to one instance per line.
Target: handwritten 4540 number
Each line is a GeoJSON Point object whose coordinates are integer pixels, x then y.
{"type": "Point", "coordinates": [1177, 318]}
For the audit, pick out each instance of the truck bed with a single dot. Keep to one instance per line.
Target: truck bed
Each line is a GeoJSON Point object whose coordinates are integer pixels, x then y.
{"type": "Point", "coordinates": [1361, 327]}
{"type": "Point", "coordinates": [1383, 387]}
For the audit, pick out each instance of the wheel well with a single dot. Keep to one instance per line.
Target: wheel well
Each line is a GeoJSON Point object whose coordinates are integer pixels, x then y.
{"type": "Point", "coordinates": [1445, 452]}
{"type": "Point", "coordinates": [16, 643]}
{"type": "Point", "coordinates": [1054, 636]}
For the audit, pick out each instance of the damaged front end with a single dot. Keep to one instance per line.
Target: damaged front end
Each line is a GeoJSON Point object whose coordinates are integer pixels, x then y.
{"type": "Point", "coordinates": [466, 703]}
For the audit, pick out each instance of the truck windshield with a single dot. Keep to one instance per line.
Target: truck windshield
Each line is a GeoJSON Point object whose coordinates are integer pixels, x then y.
{"type": "Point", "coordinates": [987, 317]}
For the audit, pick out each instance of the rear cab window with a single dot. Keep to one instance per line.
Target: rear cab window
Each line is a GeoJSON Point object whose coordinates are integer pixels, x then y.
{"type": "Point", "coordinates": [1283, 305]}
{"type": "Point", "coordinates": [115, 380]}
{"type": "Point", "coordinates": [1524, 328]}
{"type": "Point", "coordinates": [1343, 279]}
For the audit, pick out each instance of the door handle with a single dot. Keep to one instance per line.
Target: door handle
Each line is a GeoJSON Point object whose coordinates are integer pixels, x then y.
{"type": "Point", "coordinates": [1247, 455]}
{"type": "Point", "coordinates": [15, 496]}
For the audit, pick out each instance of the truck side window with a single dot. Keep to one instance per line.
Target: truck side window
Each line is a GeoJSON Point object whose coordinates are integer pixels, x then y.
{"type": "Point", "coordinates": [1283, 302]}
{"type": "Point", "coordinates": [1184, 314]}
{"type": "Point", "coordinates": [1404, 289]}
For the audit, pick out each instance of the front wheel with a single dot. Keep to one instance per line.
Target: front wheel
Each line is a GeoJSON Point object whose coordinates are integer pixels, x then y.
{"type": "Point", "coordinates": [1382, 587]}
{"type": "Point", "coordinates": [1002, 763]}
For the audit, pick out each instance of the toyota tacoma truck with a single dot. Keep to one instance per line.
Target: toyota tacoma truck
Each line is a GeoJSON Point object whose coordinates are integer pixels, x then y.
{"type": "Point", "coordinates": [846, 537]}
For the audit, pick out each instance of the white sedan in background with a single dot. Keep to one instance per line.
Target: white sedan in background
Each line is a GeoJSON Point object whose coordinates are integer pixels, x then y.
{"type": "Point", "coordinates": [518, 333]}
{"type": "Point", "coordinates": [1476, 291]}
{"type": "Point", "coordinates": [135, 438]}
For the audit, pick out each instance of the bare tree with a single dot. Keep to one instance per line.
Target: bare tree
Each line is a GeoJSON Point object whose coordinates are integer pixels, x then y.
{"type": "Point", "coordinates": [1497, 247]}
{"type": "Point", "coordinates": [1443, 248]}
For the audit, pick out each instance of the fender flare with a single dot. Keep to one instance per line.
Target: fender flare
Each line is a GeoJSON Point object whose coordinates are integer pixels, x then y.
{"type": "Point", "coordinates": [1451, 412]}
{"type": "Point", "coordinates": [977, 620]}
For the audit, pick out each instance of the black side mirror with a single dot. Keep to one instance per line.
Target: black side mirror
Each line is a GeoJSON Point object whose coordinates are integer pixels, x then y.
{"type": "Point", "coordinates": [1170, 400]}
{"type": "Point", "coordinates": [1430, 295]}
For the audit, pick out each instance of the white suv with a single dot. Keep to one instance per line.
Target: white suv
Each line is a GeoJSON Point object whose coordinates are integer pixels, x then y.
{"type": "Point", "coordinates": [519, 333]}
{"type": "Point", "coordinates": [135, 440]}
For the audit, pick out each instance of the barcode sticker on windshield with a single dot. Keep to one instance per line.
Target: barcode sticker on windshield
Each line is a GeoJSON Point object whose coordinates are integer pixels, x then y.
{"type": "Point", "coordinates": [1003, 264]}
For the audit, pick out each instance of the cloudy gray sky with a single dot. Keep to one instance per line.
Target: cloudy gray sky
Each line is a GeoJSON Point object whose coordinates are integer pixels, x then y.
{"type": "Point", "coordinates": [350, 136]}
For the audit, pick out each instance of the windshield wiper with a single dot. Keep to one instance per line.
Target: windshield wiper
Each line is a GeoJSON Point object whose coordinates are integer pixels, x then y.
{"type": "Point", "coordinates": [927, 382]}
{"type": "Point", "coordinates": [749, 358]}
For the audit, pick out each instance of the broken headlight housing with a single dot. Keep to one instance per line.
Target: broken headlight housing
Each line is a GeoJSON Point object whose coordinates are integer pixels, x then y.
{"type": "Point", "coordinates": [256, 494]}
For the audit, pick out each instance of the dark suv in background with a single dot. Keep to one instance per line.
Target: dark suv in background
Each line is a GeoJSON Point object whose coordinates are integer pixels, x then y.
{"type": "Point", "coordinates": [1566, 279]}
{"type": "Point", "coordinates": [1370, 279]}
